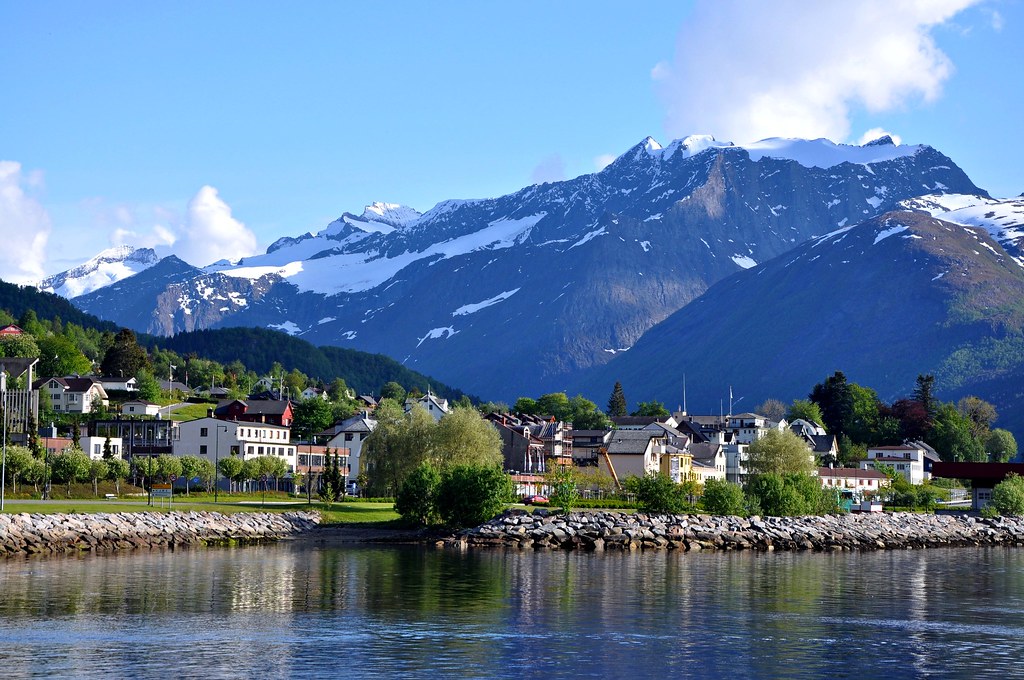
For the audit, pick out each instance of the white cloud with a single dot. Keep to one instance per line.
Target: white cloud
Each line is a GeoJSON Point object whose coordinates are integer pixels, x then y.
{"type": "Point", "coordinates": [744, 71]}
{"type": "Point", "coordinates": [210, 233]}
{"type": "Point", "coordinates": [603, 161]}
{"type": "Point", "coordinates": [551, 169]}
{"type": "Point", "coordinates": [876, 133]}
{"type": "Point", "coordinates": [24, 224]}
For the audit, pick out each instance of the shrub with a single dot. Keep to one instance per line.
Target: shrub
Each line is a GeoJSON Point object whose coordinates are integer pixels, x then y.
{"type": "Point", "coordinates": [723, 498]}
{"type": "Point", "coordinates": [657, 493]}
{"type": "Point", "coordinates": [417, 499]}
{"type": "Point", "coordinates": [564, 492]}
{"type": "Point", "coordinates": [1008, 495]}
{"type": "Point", "coordinates": [791, 494]}
{"type": "Point", "coordinates": [472, 494]}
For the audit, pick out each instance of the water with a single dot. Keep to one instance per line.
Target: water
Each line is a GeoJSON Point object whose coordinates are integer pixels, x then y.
{"type": "Point", "coordinates": [295, 610]}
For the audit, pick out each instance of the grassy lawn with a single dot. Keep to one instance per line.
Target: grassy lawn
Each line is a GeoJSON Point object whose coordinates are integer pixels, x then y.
{"type": "Point", "coordinates": [353, 512]}
{"type": "Point", "coordinates": [191, 412]}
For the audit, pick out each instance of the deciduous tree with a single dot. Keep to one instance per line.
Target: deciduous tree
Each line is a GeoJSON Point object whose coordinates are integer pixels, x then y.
{"type": "Point", "coordinates": [779, 453]}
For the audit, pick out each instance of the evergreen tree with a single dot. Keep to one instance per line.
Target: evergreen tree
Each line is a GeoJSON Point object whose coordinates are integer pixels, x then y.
{"type": "Point", "coordinates": [125, 357]}
{"type": "Point", "coordinates": [617, 401]}
{"type": "Point", "coordinates": [923, 394]}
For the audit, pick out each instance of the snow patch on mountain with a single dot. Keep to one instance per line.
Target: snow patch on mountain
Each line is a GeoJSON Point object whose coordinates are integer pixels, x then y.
{"type": "Point", "coordinates": [288, 327]}
{"type": "Point", "coordinates": [107, 267]}
{"type": "Point", "coordinates": [477, 306]}
{"type": "Point", "coordinates": [886, 233]}
{"type": "Point", "coordinates": [744, 261]}
{"type": "Point", "coordinates": [1003, 219]}
{"type": "Point", "coordinates": [436, 333]}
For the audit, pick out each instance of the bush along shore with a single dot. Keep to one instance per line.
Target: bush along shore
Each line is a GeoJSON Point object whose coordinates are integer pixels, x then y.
{"type": "Point", "coordinates": [25, 533]}
{"type": "Point", "coordinates": [620, 531]}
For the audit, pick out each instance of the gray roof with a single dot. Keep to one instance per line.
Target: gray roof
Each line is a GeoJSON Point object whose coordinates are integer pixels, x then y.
{"type": "Point", "coordinates": [631, 441]}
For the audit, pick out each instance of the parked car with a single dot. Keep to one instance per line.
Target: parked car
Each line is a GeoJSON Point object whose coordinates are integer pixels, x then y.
{"type": "Point", "coordinates": [535, 500]}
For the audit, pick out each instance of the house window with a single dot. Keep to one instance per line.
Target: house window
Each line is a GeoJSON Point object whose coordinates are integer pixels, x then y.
{"type": "Point", "coordinates": [348, 436]}
{"type": "Point", "coordinates": [202, 450]}
{"type": "Point", "coordinates": [204, 432]}
{"type": "Point", "coordinates": [72, 398]}
{"type": "Point", "coordinates": [248, 449]}
{"type": "Point", "coordinates": [260, 450]}
{"type": "Point", "coordinates": [96, 449]}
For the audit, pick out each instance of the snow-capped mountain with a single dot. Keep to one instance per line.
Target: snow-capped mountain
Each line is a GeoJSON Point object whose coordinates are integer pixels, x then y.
{"type": "Point", "coordinates": [1003, 219]}
{"type": "Point", "coordinates": [510, 295]}
{"type": "Point", "coordinates": [110, 266]}
{"type": "Point", "coordinates": [895, 296]}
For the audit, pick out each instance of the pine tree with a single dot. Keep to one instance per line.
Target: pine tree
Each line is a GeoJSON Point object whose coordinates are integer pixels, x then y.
{"type": "Point", "coordinates": [617, 402]}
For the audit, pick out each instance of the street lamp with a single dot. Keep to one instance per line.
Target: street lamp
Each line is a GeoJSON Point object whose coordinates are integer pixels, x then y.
{"type": "Point", "coordinates": [216, 464]}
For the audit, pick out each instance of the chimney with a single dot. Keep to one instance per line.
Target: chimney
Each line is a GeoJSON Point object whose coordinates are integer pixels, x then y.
{"type": "Point", "coordinates": [209, 413]}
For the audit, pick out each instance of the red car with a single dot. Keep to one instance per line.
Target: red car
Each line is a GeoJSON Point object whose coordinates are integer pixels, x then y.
{"type": "Point", "coordinates": [535, 500]}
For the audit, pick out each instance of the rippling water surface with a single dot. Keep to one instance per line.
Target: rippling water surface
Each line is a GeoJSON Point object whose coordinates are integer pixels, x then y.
{"type": "Point", "coordinates": [293, 610]}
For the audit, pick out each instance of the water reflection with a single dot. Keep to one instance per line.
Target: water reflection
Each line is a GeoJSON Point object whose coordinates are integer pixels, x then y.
{"type": "Point", "coordinates": [288, 610]}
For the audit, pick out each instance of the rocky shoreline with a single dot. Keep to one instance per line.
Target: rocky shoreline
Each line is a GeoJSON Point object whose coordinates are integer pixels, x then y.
{"type": "Point", "coordinates": [620, 531]}
{"type": "Point", "coordinates": [33, 533]}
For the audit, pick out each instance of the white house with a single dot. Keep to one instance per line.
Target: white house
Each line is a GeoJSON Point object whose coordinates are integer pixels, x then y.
{"type": "Point", "coordinates": [351, 434]}
{"type": "Point", "coordinates": [73, 394]}
{"type": "Point", "coordinates": [315, 392]}
{"type": "Point", "coordinates": [436, 406]}
{"type": "Point", "coordinates": [909, 460]}
{"type": "Point", "coordinates": [212, 438]}
{"type": "Point", "coordinates": [139, 407]}
{"type": "Point", "coordinates": [749, 427]}
{"type": "Point", "coordinates": [856, 481]}
{"type": "Point", "coordinates": [115, 382]}
{"type": "Point", "coordinates": [94, 446]}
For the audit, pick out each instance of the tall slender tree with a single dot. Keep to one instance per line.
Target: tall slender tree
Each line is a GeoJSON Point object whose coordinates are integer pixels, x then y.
{"type": "Point", "coordinates": [617, 401]}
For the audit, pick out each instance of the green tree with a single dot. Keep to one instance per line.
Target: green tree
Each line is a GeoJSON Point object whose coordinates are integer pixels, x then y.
{"type": "Point", "coordinates": [617, 401]}
{"type": "Point", "coordinates": [168, 466]}
{"type": "Point", "coordinates": [472, 494]}
{"type": "Point", "coordinates": [651, 409]}
{"type": "Point", "coordinates": [779, 453]}
{"type": "Point", "coordinates": [1001, 446]}
{"type": "Point", "coordinates": [835, 400]}
{"type": "Point", "coordinates": [69, 466]}
{"type": "Point", "coordinates": [230, 468]}
{"type": "Point", "coordinates": [312, 416]}
{"type": "Point", "coordinates": [399, 443]}
{"type": "Point", "coordinates": [19, 462]}
{"type": "Point", "coordinates": [207, 473]}
{"type": "Point", "coordinates": [526, 406]}
{"type": "Point", "coordinates": [564, 485]}
{"type": "Point", "coordinates": [59, 356]}
{"type": "Point", "coordinates": [952, 438]}
{"type": "Point", "coordinates": [657, 493]}
{"type": "Point", "coordinates": [118, 471]}
{"type": "Point", "coordinates": [98, 469]}
{"type": "Point", "coordinates": [125, 357]}
{"type": "Point", "coordinates": [1008, 495]}
{"type": "Point", "coordinates": [147, 384]}
{"type": "Point", "coordinates": [980, 415]}
{"type": "Point", "coordinates": [23, 345]}
{"type": "Point", "coordinates": [463, 437]}
{"type": "Point", "coordinates": [417, 499]}
{"type": "Point", "coordinates": [555, 404]}
{"type": "Point", "coordinates": [584, 414]}
{"type": "Point", "coordinates": [393, 391]}
{"type": "Point", "coordinates": [863, 423]}
{"type": "Point", "coordinates": [772, 409]}
{"type": "Point", "coordinates": [723, 498]}
{"type": "Point", "coordinates": [191, 466]}
{"type": "Point", "coordinates": [923, 394]}
{"type": "Point", "coordinates": [805, 409]}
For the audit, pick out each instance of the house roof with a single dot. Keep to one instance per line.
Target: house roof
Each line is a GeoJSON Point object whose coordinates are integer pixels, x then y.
{"type": "Point", "coordinates": [631, 441]}
{"type": "Point", "coordinates": [638, 421]}
{"type": "Point", "coordinates": [851, 472]}
{"type": "Point", "coordinates": [353, 424]}
{"type": "Point", "coordinates": [823, 443]}
{"type": "Point", "coordinates": [705, 451]}
{"type": "Point", "coordinates": [71, 384]}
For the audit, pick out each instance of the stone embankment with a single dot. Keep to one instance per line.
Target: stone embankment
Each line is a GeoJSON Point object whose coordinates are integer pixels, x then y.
{"type": "Point", "coordinates": [26, 533]}
{"type": "Point", "coordinates": [620, 531]}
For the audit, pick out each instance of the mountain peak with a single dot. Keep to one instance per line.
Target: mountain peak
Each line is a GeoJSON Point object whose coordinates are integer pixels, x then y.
{"type": "Point", "coordinates": [394, 214]}
{"type": "Point", "coordinates": [884, 140]}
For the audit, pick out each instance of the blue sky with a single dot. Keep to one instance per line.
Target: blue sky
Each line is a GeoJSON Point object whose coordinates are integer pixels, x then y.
{"type": "Point", "coordinates": [160, 123]}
